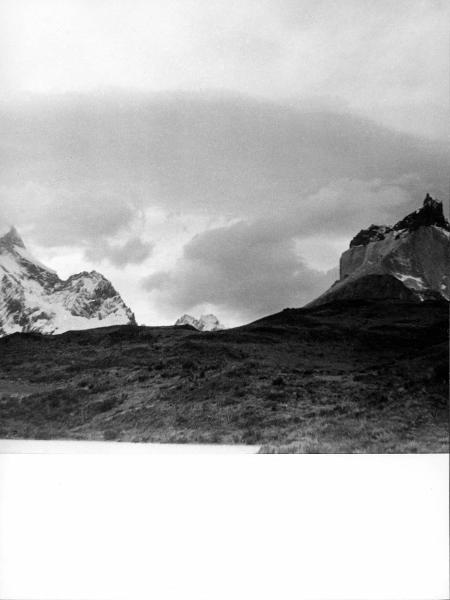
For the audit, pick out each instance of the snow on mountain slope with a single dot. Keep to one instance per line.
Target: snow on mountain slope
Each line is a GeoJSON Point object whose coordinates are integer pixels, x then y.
{"type": "Point", "coordinates": [187, 320]}
{"type": "Point", "coordinates": [205, 323]}
{"type": "Point", "coordinates": [34, 298]}
{"type": "Point", "coordinates": [415, 251]}
{"type": "Point", "coordinates": [209, 323]}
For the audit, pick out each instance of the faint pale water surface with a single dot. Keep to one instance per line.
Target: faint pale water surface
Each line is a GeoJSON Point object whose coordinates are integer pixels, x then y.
{"type": "Point", "coordinates": [86, 447]}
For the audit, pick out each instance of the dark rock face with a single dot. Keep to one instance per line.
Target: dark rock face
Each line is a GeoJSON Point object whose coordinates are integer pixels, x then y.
{"type": "Point", "coordinates": [373, 234]}
{"type": "Point", "coordinates": [431, 213]}
{"type": "Point", "coordinates": [376, 287]}
{"type": "Point", "coordinates": [11, 239]}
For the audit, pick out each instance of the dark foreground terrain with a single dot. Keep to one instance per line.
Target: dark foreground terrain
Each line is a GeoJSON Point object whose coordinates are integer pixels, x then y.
{"type": "Point", "coordinates": [345, 377]}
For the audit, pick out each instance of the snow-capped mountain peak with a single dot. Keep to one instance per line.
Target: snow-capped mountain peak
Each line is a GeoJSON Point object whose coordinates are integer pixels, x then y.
{"type": "Point", "coordinates": [34, 298]}
{"type": "Point", "coordinates": [210, 323]}
{"type": "Point", "coordinates": [187, 320]}
{"type": "Point", "coordinates": [205, 323]}
{"type": "Point", "coordinates": [11, 239]}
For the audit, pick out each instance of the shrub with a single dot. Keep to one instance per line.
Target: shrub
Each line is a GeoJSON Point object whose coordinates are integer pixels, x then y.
{"type": "Point", "coordinates": [249, 436]}
{"type": "Point", "coordinates": [62, 398]}
{"type": "Point", "coordinates": [441, 371]}
{"type": "Point", "coordinates": [188, 365]}
{"type": "Point", "coordinates": [276, 395]}
{"type": "Point", "coordinates": [97, 387]}
{"type": "Point", "coordinates": [108, 403]}
{"type": "Point", "coordinates": [111, 434]}
{"type": "Point", "coordinates": [43, 433]}
{"type": "Point", "coordinates": [279, 381]}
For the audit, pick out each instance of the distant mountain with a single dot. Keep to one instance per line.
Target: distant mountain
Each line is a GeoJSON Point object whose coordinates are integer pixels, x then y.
{"type": "Point", "coordinates": [408, 261]}
{"type": "Point", "coordinates": [34, 298]}
{"type": "Point", "coordinates": [205, 323]}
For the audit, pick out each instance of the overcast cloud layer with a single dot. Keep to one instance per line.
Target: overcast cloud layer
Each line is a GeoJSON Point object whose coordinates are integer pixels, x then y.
{"type": "Point", "coordinates": [217, 155]}
{"type": "Point", "coordinates": [384, 59]}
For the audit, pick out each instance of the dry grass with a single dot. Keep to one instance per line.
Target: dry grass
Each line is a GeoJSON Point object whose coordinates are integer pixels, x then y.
{"type": "Point", "coordinates": [364, 378]}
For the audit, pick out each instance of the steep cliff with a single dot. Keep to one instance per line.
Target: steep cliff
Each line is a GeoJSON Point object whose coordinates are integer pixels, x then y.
{"type": "Point", "coordinates": [415, 251]}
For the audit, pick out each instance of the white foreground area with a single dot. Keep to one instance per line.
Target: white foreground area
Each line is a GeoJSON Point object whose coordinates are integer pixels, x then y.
{"type": "Point", "coordinates": [124, 526]}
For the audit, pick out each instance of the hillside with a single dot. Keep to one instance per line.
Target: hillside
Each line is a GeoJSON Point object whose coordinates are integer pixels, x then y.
{"type": "Point", "coordinates": [349, 376]}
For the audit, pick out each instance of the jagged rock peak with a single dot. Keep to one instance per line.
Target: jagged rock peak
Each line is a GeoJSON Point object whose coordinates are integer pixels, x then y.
{"type": "Point", "coordinates": [431, 213]}
{"type": "Point", "coordinates": [205, 323]}
{"type": "Point", "coordinates": [11, 239]}
{"type": "Point", "coordinates": [374, 233]}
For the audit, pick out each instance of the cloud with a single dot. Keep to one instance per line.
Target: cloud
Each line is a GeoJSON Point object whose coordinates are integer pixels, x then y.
{"type": "Point", "coordinates": [254, 267]}
{"type": "Point", "coordinates": [63, 216]}
{"type": "Point", "coordinates": [99, 162]}
{"type": "Point", "coordinates": [385, 60]}
{"type": "Point", "coordinates": [277, 119]}
{"type": "Point", "coordinates": [241, 269]}
{"type": "Point", "coordinates": [111, 176]}
{"type": "Point", "coordinates": [156, 281]}
{"type": "Point", "coordinates": [133, 252]}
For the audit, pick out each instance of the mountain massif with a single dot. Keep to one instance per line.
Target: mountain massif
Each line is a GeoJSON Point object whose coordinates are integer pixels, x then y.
{"type": "Point", "coordinates": [34, 299]}
{"type": "Point", "coordinates": [364, 368]}
{"type": "Point", "coordinates": [408, 261]}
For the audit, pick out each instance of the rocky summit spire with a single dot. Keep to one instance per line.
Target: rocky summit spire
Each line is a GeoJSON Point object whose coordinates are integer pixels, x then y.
{"type": "Point", "coordinates": [11, 239]}
{"type": "Point", "coordinates": [431, 213]}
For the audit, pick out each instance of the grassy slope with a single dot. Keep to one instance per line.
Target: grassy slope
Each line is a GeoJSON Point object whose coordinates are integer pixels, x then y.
{"type": "Point", "coordinates": [348, 377]}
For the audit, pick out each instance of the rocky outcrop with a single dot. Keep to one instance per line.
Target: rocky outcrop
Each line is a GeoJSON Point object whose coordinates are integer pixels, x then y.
{"type": "Point", "coordinates": [415, 251]}
{"type": "Point", "coordinates": [431, 213]}
{"type": "Point", "coordinates": [34, 298]}
{"type": "Point", "coordinates": [374, 233]}
{"type": "Point", "coordinates": [205, 323]}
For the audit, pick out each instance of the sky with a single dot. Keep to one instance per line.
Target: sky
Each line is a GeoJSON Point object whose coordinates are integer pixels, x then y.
{"type": "Point", "coordinates": [217, 155]}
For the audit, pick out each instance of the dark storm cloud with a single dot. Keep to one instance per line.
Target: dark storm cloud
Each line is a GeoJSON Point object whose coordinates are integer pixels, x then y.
{"type": "Point", "coordinates": [60, 216]}
{"type": "Point", "coordinates": [82, 172]}
{"type": "Point", "coordinates": [217, 156]}
{"type": "Point", "coordinates": [250, 270]}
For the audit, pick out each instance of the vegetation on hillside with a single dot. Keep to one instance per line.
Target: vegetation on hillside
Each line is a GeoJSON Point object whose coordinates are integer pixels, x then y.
{"type": "Point", "coordinates": [347, 377]}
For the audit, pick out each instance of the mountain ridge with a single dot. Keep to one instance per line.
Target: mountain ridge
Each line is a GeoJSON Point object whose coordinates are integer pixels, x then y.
{"type": "Point", "coordinates": [34, 298]}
